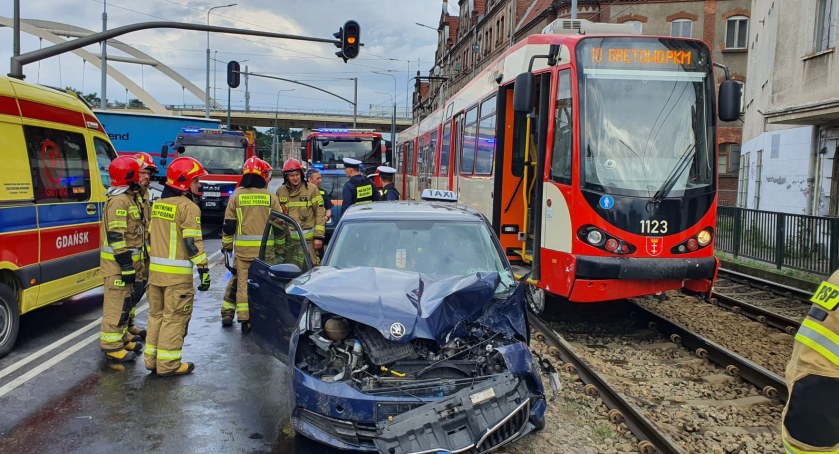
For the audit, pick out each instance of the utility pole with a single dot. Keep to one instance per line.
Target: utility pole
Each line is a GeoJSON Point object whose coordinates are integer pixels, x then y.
{"type": "Point", "coordinates": [247, 95]}
{"type": "Point", "coordinates": [103, 101]}
{"type": "Point", "coordinates": [228, 108]}
{"type": "Point", "coordinates": [16, 45]}
{"type": "Point", "coordinates": [355, 103]}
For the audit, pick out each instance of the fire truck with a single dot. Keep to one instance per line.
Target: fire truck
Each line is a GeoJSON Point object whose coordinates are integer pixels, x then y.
{"type": "Point", "coordinates": [222, 153]}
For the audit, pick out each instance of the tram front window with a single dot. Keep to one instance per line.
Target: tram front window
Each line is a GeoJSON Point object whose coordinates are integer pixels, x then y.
{"type": "Point", "coordinates": [647, 124]}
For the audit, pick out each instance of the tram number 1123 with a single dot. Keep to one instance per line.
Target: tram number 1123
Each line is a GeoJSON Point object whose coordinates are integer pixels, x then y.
{"type": "Point", "coordinates": [653, 226]}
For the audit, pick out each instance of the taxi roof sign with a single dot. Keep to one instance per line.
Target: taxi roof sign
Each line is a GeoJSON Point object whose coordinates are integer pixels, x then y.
{"type": "Point", "coordinates": [438, 195]}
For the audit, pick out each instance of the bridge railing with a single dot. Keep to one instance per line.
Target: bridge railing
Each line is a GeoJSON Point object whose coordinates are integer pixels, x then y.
{"type": "Point", "coordinates": [371, 113]}
{"type": "Point", "coordinates": [807, 243]}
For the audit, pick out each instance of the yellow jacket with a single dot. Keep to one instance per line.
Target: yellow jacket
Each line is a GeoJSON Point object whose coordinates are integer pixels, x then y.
{"type": "Point", "coordinates": [122, 230]}
{"type": "Point", "coordinates": [176, 241]}
{"type": "Point", "coordinates": [304, 204]}
{"type": "Point", "coordinates": [249, 208]}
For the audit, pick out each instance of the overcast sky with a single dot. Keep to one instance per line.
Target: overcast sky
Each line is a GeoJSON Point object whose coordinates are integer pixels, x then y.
{"type": "Point", "coordinates": [389, 33]}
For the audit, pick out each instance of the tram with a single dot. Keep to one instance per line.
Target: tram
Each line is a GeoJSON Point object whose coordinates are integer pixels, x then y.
{"type": "Point", "coordinates": [592, 150]}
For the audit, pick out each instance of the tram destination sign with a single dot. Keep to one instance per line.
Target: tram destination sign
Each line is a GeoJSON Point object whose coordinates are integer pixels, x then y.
{"type": "Point", "coordinates": [643, 53]}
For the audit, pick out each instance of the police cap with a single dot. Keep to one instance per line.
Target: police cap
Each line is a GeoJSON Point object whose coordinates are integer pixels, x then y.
{"type": "Point", "coordinates": [352, 163]}
{"type": "Point", "coordinates": [385, 170]}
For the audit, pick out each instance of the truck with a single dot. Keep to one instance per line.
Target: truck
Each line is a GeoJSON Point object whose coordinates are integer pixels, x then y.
{"type": "Point", "coordinates": [222, 153]}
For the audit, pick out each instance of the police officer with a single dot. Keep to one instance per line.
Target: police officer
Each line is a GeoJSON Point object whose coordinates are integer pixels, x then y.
{"type": "Point", "coordinates": [244, 223]}
{"type": "Point", "coordinates": [313, 176]}
{"type": "Point", "coordinates": [148, 170]}
{"type": "Point", "coordinates": [389, 191]}
{"type": "Point", "coordinates": [176, 247]}
{"type": "Point", "coordinates": [811, 415]}
{"type": "Point", "coordinates": [303, 203]}
{"type": "Point", "coordinates": [123, 238]}
{"type": "Point", "coordinates": [358, 189]}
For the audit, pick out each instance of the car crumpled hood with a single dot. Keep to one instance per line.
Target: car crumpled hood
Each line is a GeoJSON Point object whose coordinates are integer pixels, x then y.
{"type": "Point", "coordinates": [429, 307]}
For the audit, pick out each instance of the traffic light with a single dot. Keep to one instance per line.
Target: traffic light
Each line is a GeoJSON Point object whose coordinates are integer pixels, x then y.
{"type": "Point", "coordinates": [350, 37]}
{"type": "Point", "coordinates": [233, 74]}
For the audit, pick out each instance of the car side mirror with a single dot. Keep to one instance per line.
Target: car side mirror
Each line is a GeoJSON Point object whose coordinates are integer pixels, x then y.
{"type": "Point", "coordinates": [729, 100]}
{"type": "Point", "coordinates": [181, 149]}
{"type": "Point", "coordinates": [164, 152]}
{"type": "Point", "coordinates": [285, 271]}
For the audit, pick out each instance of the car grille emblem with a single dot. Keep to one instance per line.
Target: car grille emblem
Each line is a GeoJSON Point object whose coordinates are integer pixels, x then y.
{"type": "Point", "coordinates": [397, 330]}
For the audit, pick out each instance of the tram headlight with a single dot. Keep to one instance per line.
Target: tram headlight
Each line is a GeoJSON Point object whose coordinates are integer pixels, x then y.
{"type": "Point", "coordinates": [704, 237]}
{"type": "Point", "coordinates": [594, 237]}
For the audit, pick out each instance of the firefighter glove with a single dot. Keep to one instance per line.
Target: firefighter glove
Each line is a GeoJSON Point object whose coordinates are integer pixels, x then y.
{"type": "Point", "coordinates": [129, 276]}
{"type": "Point", "coordinates": [127, 267]}
{"type": "Point", "coordinates": [204, 277]}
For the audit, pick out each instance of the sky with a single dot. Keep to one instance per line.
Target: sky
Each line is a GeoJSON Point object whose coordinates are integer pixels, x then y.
{"type": "Point", "coordinates": [393, 44]}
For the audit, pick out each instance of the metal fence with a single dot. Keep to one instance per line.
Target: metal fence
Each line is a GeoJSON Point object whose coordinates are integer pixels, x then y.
{"type": "Point", "coordinates": [807, 243]}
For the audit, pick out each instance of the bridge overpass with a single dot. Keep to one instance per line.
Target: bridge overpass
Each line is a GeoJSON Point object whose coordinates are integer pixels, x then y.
{"type": "Point", "coordinates": [298, 119]}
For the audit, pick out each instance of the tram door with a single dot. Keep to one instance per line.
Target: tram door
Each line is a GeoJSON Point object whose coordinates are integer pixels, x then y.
{"type": "Point", "coordinates": [521, 174]}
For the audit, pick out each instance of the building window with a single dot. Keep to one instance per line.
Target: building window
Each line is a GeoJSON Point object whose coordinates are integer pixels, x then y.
{"type": "Point", "coordinates": [729, 158]}
{"type": "Point", "coordinates": [826, 25]}
{"type": "Point", "coordinates": [737, 32]}
{"type": "Point", "coordinates": [681, 28]}
{"type": "Point", "coordinates": [743, 182]}
{"type": "Point", "coordinates": [758, 176]}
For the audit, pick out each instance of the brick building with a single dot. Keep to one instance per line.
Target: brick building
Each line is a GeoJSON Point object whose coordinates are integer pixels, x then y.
{"type": "Point", "coordinates": [484, 29]}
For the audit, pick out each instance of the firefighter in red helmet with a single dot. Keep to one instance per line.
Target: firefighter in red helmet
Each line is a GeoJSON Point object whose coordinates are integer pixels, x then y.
{"type": "Point", "coordinates": [303, 203]}
{"type": "Point", "coordinates": [148, 169]}
{"type": "Point", "coordinates": [176, 247]}
{"type": "Point", "coordinates": [244, 222]}
{"type": "Point", "coordinates": [123, 237]}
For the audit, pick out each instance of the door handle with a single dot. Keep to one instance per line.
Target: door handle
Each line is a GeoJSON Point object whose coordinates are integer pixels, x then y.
{"type": "Point", "coordinates": [253, 284]}
{"type": "Point", "coordinates": [90, 209]}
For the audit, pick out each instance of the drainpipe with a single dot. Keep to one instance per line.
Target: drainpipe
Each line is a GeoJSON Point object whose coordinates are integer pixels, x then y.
{"type": "Point", "coordinates": [812, 174]}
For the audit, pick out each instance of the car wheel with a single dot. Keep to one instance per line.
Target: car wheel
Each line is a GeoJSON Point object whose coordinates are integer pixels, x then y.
{"type": "Point", "coordinates": [9, 319]}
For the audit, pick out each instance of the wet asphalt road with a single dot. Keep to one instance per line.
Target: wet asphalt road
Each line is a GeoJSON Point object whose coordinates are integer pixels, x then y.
{"type": "Point", "coordinates": [69, 399]}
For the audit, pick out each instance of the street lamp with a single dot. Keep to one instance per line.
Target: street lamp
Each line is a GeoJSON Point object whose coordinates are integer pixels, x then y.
{"type": "Point", "coordinates": [393, 119]}
{"type": "Point", "coordinates": [427, 26]}
{"type": "Point", "coordinates": [207, 86]}
{"type": "Point", "coordinates": [276, 137]}
{"type": "Point", "coordinates": [215, 73]}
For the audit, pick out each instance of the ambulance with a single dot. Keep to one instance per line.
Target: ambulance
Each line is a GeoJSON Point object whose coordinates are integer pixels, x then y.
{"type": "Point", "coordinates": [53, 177]}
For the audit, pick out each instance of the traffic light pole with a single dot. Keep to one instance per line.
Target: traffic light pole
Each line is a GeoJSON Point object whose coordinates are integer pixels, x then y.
{"type": "Point", "coordinates": [18, 61]}
{"type": "Point", "coordinates": [355, 103]}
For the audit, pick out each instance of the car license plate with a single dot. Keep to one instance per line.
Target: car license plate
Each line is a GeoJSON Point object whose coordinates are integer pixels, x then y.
{"type": "Point", "coordinates": [210, 204]}
{"type": "Point", "coordinates": [212, 194]}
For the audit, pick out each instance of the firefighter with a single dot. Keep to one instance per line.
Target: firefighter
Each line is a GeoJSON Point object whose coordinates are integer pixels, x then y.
{"type": "Point", "coordinates": [358, 189]}
{"type": "Point", "coordinates": [811, 416]}
{"type": "Point", "coordinates": [313, 176]}
{"type": "Point", "coordinates": [148, 170]}
{"type": "Point", "coordinates": [120, 258]}
{"type": "Point", "coordinates": [244, 223]}
{"type": "Point", "coordinates": [303, 203]}
{"type": "Point", "coordinates": [176, 246]}
{"type": "Point", "coordinates": [389, 191]}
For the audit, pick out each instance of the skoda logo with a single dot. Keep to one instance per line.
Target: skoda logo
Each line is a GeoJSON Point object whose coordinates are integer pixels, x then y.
{"type": "Point", "coordinates": [397, 330]}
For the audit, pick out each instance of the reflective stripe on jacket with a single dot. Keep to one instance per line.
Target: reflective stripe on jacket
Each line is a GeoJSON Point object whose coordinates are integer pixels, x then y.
{"type": "Point", "coordinates": [173, 220]}
{"type": "Point", "coordinates": [250, 208]}
{"type": "Point", "coordinates": [304, 204]}
{"type": "Point", "coordinates": [122, 230]}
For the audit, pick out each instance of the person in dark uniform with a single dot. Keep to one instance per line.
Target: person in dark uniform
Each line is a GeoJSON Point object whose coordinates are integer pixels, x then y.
{"type": "Point", "coordinates": [358, 189]}
{"type": "Point", "coordinates": [389, 191]}
{"type": "Point", "coordinates": [313, 176]}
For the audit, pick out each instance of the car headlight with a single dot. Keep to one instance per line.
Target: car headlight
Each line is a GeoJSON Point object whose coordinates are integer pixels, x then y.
{"type": "Point", "coordinates": [704, 237]}
{"type": "Point", "coordinates": [594, 236]}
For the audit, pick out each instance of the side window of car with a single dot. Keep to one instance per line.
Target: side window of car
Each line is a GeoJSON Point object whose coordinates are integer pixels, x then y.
{"type": "Point", "coordinates": [281, 243]}
{"type": "Point", "coordinates": [59, 163]}
{"type": "Point", "coordinates": [104, 155]}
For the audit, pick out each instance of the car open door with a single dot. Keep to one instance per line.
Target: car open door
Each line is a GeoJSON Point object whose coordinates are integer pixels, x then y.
{"type": "Point", "coordinates": [282, 257]}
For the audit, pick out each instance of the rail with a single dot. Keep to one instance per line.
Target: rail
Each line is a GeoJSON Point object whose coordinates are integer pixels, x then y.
{"type": "Point", "coordinates": [652, 439]}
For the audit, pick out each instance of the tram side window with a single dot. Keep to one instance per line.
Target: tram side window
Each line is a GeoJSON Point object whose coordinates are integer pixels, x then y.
{"type": "Point", "coordinates": [432, 152]}
{"type": "Point", "coordinates": [59, 163]}
{"type": "Point", "coordinates": [445, 149]}
{"type": "Point", "coordinates": [470, 133]}
{"type": "Point", "coordinates": [486, 138]}
{"type": "Point", "coordinates": [421, 152]}
{"type": "Point", "coordinates": [563, 131]}
{"type": "Point", "coordinates": [410, 154]}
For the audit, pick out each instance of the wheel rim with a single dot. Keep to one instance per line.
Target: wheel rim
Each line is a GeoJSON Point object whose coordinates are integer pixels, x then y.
{"type": "Point", "coordinates": [5, 320]}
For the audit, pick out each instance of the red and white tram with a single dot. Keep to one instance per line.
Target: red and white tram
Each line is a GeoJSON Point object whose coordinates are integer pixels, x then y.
{"type": "Point", "coordinates": [593, 155]}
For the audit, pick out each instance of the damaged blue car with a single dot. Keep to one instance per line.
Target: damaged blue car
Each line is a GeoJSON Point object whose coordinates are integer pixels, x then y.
{"type": "Point", "coordinates": [411, 337]}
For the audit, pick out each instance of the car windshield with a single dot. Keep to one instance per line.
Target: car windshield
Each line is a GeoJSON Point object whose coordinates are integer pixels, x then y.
{"type": "Point", "coordinates": [334, 151]}
{"type": "Point", "coordinates": [218, 160]}
{"type": "Point", "coordinates": [442, 248]}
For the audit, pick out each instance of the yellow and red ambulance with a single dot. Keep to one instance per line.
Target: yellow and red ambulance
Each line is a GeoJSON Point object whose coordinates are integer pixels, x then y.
{"type": "Point", "coordinates": [53, 177]}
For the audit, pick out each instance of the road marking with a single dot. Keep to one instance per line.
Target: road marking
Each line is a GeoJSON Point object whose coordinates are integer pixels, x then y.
{"type": "Point", "coordinates": [5, 389]}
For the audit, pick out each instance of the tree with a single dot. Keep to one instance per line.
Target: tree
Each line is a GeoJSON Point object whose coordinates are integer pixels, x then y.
{"type": "Point", "coordinates": [90, 98]}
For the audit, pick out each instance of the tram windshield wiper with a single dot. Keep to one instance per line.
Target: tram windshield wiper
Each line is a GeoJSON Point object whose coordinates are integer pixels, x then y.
{"type": "Point", "coordinates": [677, 171]}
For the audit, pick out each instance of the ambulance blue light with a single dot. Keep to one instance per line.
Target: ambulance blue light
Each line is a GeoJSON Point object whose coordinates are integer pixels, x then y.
{"type": "Point", "coordinates": [318, 166]}
{"type": "Point", "coordinates": [331, 130]}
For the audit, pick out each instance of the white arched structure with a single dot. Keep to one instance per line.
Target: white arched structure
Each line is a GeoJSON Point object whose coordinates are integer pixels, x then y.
{"type": "Point", "coordinates": [53, 32]}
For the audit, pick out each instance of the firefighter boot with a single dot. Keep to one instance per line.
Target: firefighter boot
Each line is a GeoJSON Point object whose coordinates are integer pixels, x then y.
{"type": "Point", "coordinates": [134, 346]}
{"type": "Point", "coordinates": [135, 330]}
{"type": "Point", "coordinates": [227, 321]}
{"type": "Point", "coordinates": [246, 326]}
{"type": "Point", "coordinates": [183, 369]}
{"type": "Point", "coordinates": [121, 356]}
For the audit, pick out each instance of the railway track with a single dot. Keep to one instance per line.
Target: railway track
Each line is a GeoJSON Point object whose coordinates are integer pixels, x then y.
{"type": "Point", "coordinates": [672, 398]}
{"type": "Point", "coordinates": [767, 302]}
